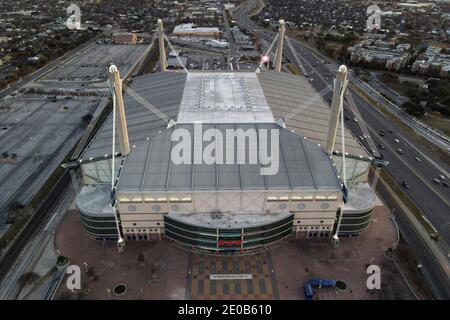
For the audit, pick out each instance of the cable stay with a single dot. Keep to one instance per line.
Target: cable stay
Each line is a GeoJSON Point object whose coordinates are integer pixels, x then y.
{"type": "Point", "coordinates": [268, 51]}
{"type": "Point", "coordinates": [120, 240]}
{"type": "Point", "coordinates": [297, 59]}
{"type": "Point", "coordinates": [320, 94]}
{"type": "Point", "coordinates": [361, 123]}
{"type": "Point", "coordinates": [146, 104]}
{"type": "Point", "coordinates": [173, 50]}
{"type": "Point", "coordinates": [87, 133]}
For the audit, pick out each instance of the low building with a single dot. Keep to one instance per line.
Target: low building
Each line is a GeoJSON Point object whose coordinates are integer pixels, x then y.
{"type": "Point", "coordinates": [434, 61]}
{"type": "Point", "coordinates": [416, 5]}
{"type": "Point", "coordinates": [191, 30]}
{"type": "Point", "coordinates": [125, 38]}
{"type": "Point", "coordinates": [379, 54]}
{"type": "Point", "coordinates": [217, 44]}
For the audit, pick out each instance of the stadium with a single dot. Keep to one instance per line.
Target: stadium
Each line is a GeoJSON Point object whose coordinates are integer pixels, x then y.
{"type": "Point", "coordinates": [220, 206]}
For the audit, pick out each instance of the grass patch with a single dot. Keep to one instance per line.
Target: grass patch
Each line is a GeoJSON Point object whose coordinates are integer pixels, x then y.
{"type": "Point", "coordinates": [293, 68]}
{"type": "Point", "coordinates": [403, 87]}
{"type": "Point", "coordinates": [439, 123]}
{"type": "Point", "coordinates": [407, 259]}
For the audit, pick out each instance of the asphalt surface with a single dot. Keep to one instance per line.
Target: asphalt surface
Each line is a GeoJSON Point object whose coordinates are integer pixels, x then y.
{"type": "Point", "coordinates": [42, 223]}
{"type": "Point", "coordinates": [36, 222]}
{"type": "Point", "coordinates": [42, 71]}
{"type": "Point", "coordinates": [432, 273]}
{"type": "Point", "coordinates": [431, 198]}
{"type": "Point", "coordinates": [431, 135]}
{"type": "Point", "coordinates": [233, 50]}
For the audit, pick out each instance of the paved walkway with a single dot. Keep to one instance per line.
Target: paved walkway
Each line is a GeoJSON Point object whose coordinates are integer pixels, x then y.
{"type": "Point", "coordinates": [262, 285]}
{"type": "Point", "coordinates": [160, 270]}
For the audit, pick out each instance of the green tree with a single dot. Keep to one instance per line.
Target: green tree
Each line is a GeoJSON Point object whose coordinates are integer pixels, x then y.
{"type": "Point", "coordinates": [414, 109]}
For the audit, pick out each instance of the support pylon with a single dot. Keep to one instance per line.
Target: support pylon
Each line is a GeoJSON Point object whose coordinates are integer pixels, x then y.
{"type": "Point", "coordinates": [162, 47]}
{"type": "Point", "coordinates": [340, 85]}
{"type": "Point", "coordinates": [279, 55]}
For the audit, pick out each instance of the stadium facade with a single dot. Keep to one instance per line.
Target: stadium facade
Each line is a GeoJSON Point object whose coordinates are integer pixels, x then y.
{"type": "Point", "coordinates": [224, 206]}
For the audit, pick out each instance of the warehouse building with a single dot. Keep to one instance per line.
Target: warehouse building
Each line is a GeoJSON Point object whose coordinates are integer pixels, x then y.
{"type": "Point", "coordinates": [191, 30]}
{"type": "Point", "coordinates": [125, 38]}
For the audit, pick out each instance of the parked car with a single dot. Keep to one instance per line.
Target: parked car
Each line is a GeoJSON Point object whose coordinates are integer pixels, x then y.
{"type": "Point", "coordinates": [381, 146]}
{"type": "Point", "coordinates": [436, 181]}
{"type": "Point", "coordinates": [400, 151]}
{"type": "Point", "coordinates": [405, 184]}
{"type": "Point", "coordinates": [418, 159]}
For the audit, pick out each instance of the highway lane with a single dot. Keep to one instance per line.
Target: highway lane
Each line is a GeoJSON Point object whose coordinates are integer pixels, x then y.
{"type": "Point", "coordinates": [330, 68]}
{"type": "Point", "coordinates": [431, 199]}
{"type": "Point", "coordinates": [430, 268]}
{"type": "Point", "coordinates": [323, 67]}
{"type": "Point", "coordinates": [432, 136]}
{"type": "Point", "coordinates": [425, 167]}
{"type": "Point", "coordinates": [438, 163]}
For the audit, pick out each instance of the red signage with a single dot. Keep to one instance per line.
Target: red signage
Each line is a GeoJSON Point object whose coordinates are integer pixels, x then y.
{"type": "Point", "coordinates": [229, 243]}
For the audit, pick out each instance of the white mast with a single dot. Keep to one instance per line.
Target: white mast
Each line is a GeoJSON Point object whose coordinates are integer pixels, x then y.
{"type": "Point", "coordinates": [279, 53]}
{"type": "Point", "coordinates": [119, 112]}
{"type": "Point", "coordinates": [340, 84]}
{"type": "Point", "coordinates": [162, 48]}
{"type": "Point", "coordinates": [337, 110]}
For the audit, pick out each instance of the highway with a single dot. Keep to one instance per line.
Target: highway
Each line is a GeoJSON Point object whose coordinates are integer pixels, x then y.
{"type": "Point", "coordinates": [431, 198]}
{"type": "Point", "coordinates": [430, 135]}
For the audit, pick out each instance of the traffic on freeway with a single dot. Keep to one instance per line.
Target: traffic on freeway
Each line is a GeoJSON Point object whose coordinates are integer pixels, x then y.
{"type": "Point", "coordinates": [422, 177]}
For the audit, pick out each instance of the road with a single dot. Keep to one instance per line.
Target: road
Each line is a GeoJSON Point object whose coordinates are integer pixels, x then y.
{"type": "Point", "coordinates": [26, 249]}
{"type": "Point", "coordinates": [432, 136]}
{"type": "Point", "coordinates": [233, 51]}
{"type": "Point", "coordinates": [42, 71]}
{"type": "Point", "coordinates": [431, 198]}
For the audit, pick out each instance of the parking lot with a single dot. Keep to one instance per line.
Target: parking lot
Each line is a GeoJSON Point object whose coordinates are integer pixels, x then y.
{"type": "Point", "coordinates": [198, 60]}
{"type": "Point", "coordinates": [88, 70]}
{"type": "Point", "coordinates": [35, 136]}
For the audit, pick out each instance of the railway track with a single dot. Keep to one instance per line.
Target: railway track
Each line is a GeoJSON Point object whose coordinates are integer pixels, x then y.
{"type": "Point", "coordinates": [36, 223]}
